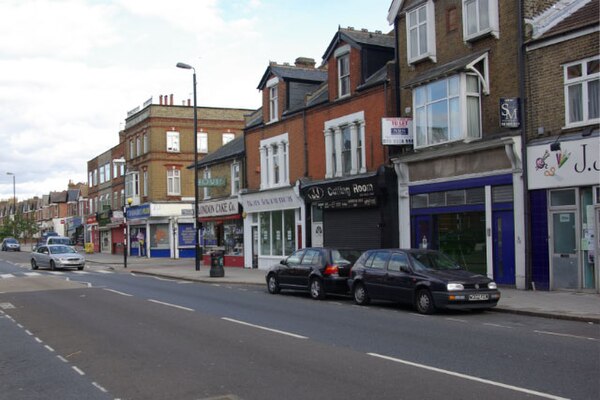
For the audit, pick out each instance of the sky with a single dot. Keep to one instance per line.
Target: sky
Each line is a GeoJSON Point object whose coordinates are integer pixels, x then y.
{"type": "Point", "coordinates": [71, 69]}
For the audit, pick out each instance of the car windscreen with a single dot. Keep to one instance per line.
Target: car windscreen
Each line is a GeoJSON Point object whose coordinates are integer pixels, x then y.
{"type": "Point", "coordinates": [436, 261]}
{"type": "Point", "coordinates": [61, 250]}
{"type": "Point", "coordinates": [59, 241]}
{"type": "Point", "coordinates": [11, 240]}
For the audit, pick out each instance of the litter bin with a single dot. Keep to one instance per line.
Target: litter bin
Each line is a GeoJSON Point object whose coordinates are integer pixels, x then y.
{"type": "Point", "coordinates": [216, 264]}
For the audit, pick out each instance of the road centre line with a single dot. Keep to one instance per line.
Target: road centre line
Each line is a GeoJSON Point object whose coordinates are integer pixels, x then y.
{"type": "Point", "coordinates": [567, 335]}
{"type": "Point", "coordinates": [80, 372]}
{"type": "Point", "coordinates": [497, 325]}
{"type": "Point", "coordinates": [456, 320]}
{"type": "Point", "coordinates": [265, 328]}
{"type": "Point", "coordinates": [100, 387]}
{"type": "Point", "coordinates": [171, 305]}
{"type": "Point", "coordinates": [50, 349]}
{"type": "Point", "coordinates": [469, 377]}
{"type": "Point", "coordinates": [117, 292]}
{"type": "Point", "coordinates": [6, 276]}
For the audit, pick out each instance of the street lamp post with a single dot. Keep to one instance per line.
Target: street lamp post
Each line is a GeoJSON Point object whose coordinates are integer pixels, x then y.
{"type": "Point", "coordinates": [196, 227]}
{"type": "Point", "coordinates": [14, 202]}
{"type": "Point", "coordinates": [125, 231]}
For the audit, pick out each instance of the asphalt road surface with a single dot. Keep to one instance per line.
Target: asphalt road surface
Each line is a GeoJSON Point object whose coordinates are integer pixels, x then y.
{"type": "Point", "coordinates": [99, 334]}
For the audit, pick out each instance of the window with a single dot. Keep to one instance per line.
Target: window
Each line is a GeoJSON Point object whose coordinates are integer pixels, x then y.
{"type": "Point", "coordinates": [420, 33]}
{"type": "Point", "coordinates": [480, 17]}
{"type": "Point", "coordinates": [122, 197]}
{"type": "Point", "coordinates": [235, 178]}
{"type": "Point", "coordinates": [447, 110]}
{"type": "Point", "coordinates": [380, 259]}
{"type": "Point", "coordinates": [397, 261]}
{"type": "Point", "coordinates": [344, 149]}
{"type": "Point", "coordinates": [95, 177]}
{"type": "Point", "coordinates": [90, 179]}
{"type": "Point", "coordinates": [122, 169]}
{"type": "Point", "coordinates": [202, 142]}
{"type": "Point", "coordinates": [107, 172]}
{"type": "Point", "coordinates": [273, 103]}
{"type": "Point", "coordinates": [274, 161]}
{"type": "Point", "coordinates": [228, 137]}
{"type": "Point", "coordinates": [132, 184]}
{"type": "Point", "coordinates": [207, 188]}
{"type": "Point", "coordinates": [146, 143]}
{"type": "Point", "coordinates": [145, 183]}
{"type": "Point", "coordinates": [343, 64]}
{"type": "Point", "coordinates": [173, 182]}
{"type": "Point", "coordinates": [115, 170]}
{"type": "Point", "coordinates": [101, 174]}
{"type": "Point", "coordinates": [115, 201]}
{"type": "Point", "coordinates": [277, 233]}
{"type": "Point", "coordinates": [581, 92]}
{"type": "Point", "coordinates": [173, 142]}
{"type": "Point", "coordinates": [138, 145]}
{"type": "Point", "coordinates": [131, 149]}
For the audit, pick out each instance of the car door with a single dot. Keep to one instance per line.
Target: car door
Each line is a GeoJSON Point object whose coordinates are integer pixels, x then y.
{"type": "Point", "coordinates": [399, 280]}
{"type": "Point", "coordinates": [42, 257]}
{"type": "Point", "coordinates": [375, 273]}
{"type": "Point", "coordinates": [312, 258]}
{"type": "Point", "coordinates": [286, 269]}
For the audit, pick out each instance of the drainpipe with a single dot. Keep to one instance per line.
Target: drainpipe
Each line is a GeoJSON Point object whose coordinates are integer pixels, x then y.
{"type": "Point", "coordinates": [305, 142]}
{"type": "Point", "coordinates": [522, 104]}
{"type": "Point", "coordinates": [397, 66]}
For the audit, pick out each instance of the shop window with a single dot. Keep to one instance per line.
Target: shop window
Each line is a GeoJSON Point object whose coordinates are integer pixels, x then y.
{"type": "Point", "coordinates": [159, 236]}
{"type": "Point", "coordinates": [277, 233]}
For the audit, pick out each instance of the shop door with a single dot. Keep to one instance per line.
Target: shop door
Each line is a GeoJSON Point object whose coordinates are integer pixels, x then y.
{"type": "Point", "coordinates": [504, 247]}
{"type": "Point", "coordinates": [564, 255]}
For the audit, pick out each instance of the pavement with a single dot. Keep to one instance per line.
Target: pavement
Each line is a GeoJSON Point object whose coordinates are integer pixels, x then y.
{"type": "Point", "coordinates": [569, 305]}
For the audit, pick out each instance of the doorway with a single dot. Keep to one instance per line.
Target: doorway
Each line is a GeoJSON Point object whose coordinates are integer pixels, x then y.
{"type": "Point", "coordinates": [504, 247]}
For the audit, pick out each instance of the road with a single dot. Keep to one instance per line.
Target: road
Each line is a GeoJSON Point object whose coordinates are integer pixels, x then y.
{"type": "Point", "coordinates": [99, 334]}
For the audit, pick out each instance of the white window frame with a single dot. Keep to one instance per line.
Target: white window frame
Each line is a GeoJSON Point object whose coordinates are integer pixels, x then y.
{"type": "Point", "coordinates": [173, 142]}
{"type": "Point", "coordinates": [342, 55]}
{"type": "Point", "coordinates": [583, 81]}
{"type": "Point", "coordinates": [333, 135]}
{"type": "Point", "coordinates": [95, 177]}
{"type": "Point", "coordinates": [462, 100]}
{"type": "Point", "coordinates": [491, 14]}
{"type": "Point", "coordinates": [107, 176]}
{"type": "Point", "coordinates": [173, 182]}
{"type": "Point", "coordinates": [413, 27]}
{"type": "Point", "coordinates": [227, 137]}
{"type": "Point", "coordinates": [138, 145]}
{"type": "Point", "coordinates": [132, 184]}
{"type": "Point", "coordinates": [131, 149]}
{"type": "Point", "coordinates": [145, 183]}
{"type": "Point", "coordinates": [202, 142]}
{"type": "Point", "coordinates": [90, 179]}
{"type": "Point", "coordinates": [146, 143]}
{"type": "Point", "coordinates": [115, 170]}
{"type": "Point", "coordinates": [206, 175]}
{"type": "Point", "coordinates": [273, 99]}
{"type": "Point", "coordinates": [268, 165]}
{"type": "Point", "coordinates": [235, 178]}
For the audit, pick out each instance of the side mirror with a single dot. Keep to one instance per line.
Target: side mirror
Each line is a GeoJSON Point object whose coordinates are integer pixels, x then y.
{"type": "Point", "coordinates": [405, 269]}
{"type": "Point", "coordinates": [283, 262]}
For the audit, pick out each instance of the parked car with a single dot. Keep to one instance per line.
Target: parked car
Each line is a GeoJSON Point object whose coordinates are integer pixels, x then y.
{"type": "Point", "coordinates": [55, 256]}
{"type": "Point", "coordinates": [10, 243]}
{"type": "Point", "coordinates": [53, 239]}
{"type": "Point", "coordinates": [427, 279]}
{"type": "Point", "coordinates": [316, 269]}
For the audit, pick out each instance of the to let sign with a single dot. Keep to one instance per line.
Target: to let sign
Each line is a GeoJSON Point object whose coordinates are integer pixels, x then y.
{"type": "Point", "coordinates": [396, 131]}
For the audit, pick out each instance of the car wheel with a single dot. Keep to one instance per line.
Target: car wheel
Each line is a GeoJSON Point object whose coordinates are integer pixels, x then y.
{"type": "Point", "coordinates": [33, 264]}
{"type": "Point", "coordinates": [52, 266]}
{"type": "Point", "coordinates": [273, 284]}
{"type": "Point", "coordinates": [360, 295]}
{"type": "Point", "coordinates": [317, 291]}
{"type": "Point", "coordinates": [424, 302]}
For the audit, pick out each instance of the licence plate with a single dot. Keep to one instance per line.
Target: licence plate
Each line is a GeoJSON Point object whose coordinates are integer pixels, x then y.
{"type": "Point", "coordinates": [479, 297]}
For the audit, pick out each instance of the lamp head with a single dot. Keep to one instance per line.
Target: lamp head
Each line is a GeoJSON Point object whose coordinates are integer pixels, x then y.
{"type": "Point", "coordinates": [183, 65]}
{"type": "Point", "coordinates": [129, 201]}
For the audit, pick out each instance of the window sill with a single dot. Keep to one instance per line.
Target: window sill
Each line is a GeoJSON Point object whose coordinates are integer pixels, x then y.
{"type": "Point", "coordinates": [480, 35]}
{"type": "Point", "coordinates": [423, 58]}
{"type": "Point", "coordinates": [581, 124]}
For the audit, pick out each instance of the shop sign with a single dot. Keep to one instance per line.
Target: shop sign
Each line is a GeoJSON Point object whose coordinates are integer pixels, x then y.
{"type": "Point", "coordinates": [396, 131]}
{"type": "Point", "coordinates": [187, 235]}
{"type": "Point", "coordinates": [216, 208]}
{"type": "Point", "coordinates": [573, 163]}
{"type": "Point", "coordinates": [138, 212]}
{"type": "Point", "coordinates": [271, 201]}
{"type": "Point", "coordinates": [509, 112]}
{"type": "Point", "coordinates": [103, 218]}
{"type": "Point", "coordinates": [91, 220]}
{"type": "Point", "coordinates": [211, 182]}
{"type": "Point", "coordinates": [349, 194]}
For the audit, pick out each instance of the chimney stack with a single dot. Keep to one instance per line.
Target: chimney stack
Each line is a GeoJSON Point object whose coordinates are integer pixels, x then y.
{"type": "Point", "coordinates": [305, 62]}
{"type": "Point", "coordinates": [160, 99]}
{"type": "Point", "coordinates": [171, 98]}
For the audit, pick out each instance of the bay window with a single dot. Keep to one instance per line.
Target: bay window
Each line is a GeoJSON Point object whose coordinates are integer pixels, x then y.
{"type": "Point", "coordinates": [447, 110]}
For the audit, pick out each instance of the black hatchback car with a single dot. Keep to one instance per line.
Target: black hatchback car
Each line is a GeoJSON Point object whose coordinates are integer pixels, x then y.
{"type": "Point", "coordinates": [427, 279]}
{"type": "Point", "coordinates": [316, 269]}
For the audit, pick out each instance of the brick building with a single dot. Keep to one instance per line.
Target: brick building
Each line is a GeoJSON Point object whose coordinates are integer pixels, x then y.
{"type": "Point", "coordinates": [461, 182]}
{"type": "Point", "coordinates": [563, 149]}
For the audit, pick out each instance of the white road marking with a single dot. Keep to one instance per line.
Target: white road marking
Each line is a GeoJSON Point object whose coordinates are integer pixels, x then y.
{"type": "Point", "coordinates": [38, 340]}
{"type": "Point", "coordinates": [81, 272]}
{"type": "Point", "coordinates": [27, 331]}
{"type": "Point", "coordinates": [56, 272]}
{"type": "Point", "coordinates": [103, 271]}
{"type": "Point", "coordinates": [418, 315]}
{"type": "Point", "coordinates": [49, 348]}
{"type": "Point", "coordinates": [100, 387]}
{"type": "Point", "coordinates": [265, 328]}
{"type": "Point", "coordinates": [164, 279]}
{"type": "Point", "coordinates": [32, 274]}
{"type": "Point", "coordinates": [171, 305]}
{"type": "Point", "coordinates": [567, 335]}
{"type": "Point", "coordinates": [6, 276]}
{"type": "Point", "coordinates": [456, 320]}
{"type": "Point", "coordinates": [61, 358]}
{"type": "Point", "coordinates": [469, 377]}
{"type": "Point", "coordinates": [498, 326]}
{"type": "Point", "coordinates": [80, 372]}
{"type": "Point", "coordinates": [117, 292]}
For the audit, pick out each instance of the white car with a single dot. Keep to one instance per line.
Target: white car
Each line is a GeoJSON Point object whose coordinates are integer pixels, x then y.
{"type": "Point", "coordinates": [55, 256]}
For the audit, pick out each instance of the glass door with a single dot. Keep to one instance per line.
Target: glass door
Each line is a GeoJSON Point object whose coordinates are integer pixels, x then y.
{"type": "Point", "coordinates": [564, 229]}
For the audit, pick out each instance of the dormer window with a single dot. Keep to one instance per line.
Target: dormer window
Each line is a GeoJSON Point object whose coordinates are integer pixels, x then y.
{"type": "Point", "coordinates": [342, 56]}
{"type": "Point", "coordinates": [273, 99]}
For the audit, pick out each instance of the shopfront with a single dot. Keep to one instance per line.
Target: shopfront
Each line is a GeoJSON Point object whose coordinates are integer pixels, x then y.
{"type": "Point", "coordinates": [564, 184]}
{"type": "Point", "coordinates": [92, 234]}
{"type": "Point", "coordinates": [105, 231]}
{"type": "Point", "coordinates": [273, 226]}
{"type": "Point", "coordinates": [353, 214]}
{"type": "Point", "coordinates": [222, 230]}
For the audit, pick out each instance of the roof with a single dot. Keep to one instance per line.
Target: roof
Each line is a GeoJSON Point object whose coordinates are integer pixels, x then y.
{"type": "Point", "coordinates": [290, 72]}
{"type": "Point", "coordinates": [444, 70]}
{"type": "Point", "coordinates": [377, 78]}
{"type": "Point", "coordinates": [587, 15]}
{"type": "Point", "coordinates": [359, 39]}
{"type": "Point", "coordinates": [58, 197]}
{"type": "Point", "coordinates": [228, 151]}
{"type": "Point", "coordinates": [73, 195]}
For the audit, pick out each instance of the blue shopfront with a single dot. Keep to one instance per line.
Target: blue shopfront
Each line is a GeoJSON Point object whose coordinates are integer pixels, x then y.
{"type": "Point", "coordinates": [472, 220]}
